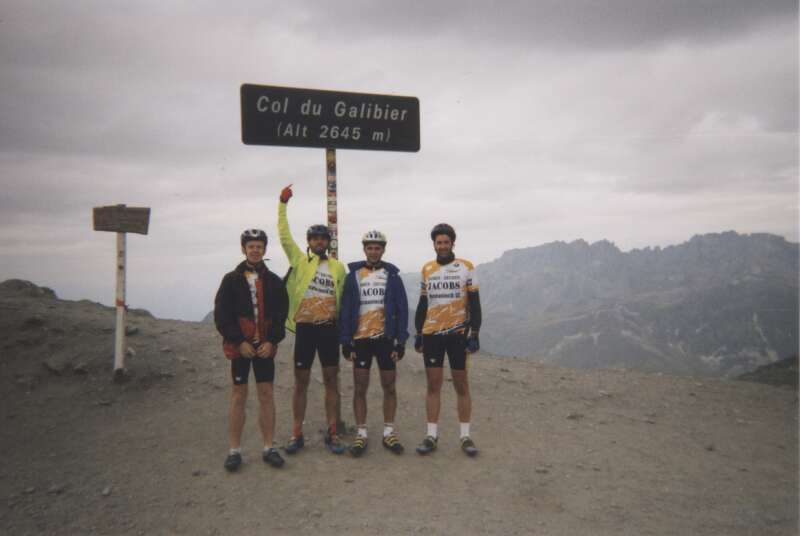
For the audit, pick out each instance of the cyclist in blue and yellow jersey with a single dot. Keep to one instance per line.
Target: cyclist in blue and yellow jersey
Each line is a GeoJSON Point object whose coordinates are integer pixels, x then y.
{"type": "Point", "coordinates": [314, 283]}
{"type": "Point", "coordinates": [374, 323]}
{"type": "Point", "coordinates": [447, 320]}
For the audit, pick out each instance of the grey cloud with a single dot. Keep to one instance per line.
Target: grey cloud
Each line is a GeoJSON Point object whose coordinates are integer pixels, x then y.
{"type": "Point", "coordinates": [649, 123]}
{"type": "Point", "coordinates": [582, 24]}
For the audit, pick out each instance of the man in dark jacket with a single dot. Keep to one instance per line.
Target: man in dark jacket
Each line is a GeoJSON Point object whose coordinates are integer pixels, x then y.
{"type": "Point", "coordinates": [373, 323]}
{"type": "Point", "coordinates": [250, 312]}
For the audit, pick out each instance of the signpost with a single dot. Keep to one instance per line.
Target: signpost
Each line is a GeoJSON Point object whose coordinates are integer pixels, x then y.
{"type": "Point", "coordinates": [293, 117]}
{"type": "Point", "coordinates": [121, 219]}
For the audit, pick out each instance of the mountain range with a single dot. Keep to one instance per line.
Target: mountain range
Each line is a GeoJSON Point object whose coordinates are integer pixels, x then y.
{"type": "Point", "coordinates": [719, 304]}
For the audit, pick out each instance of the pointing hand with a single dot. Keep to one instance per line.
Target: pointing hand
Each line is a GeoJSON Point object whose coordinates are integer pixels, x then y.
{"type": "Point", "coordinates": [286, 194]}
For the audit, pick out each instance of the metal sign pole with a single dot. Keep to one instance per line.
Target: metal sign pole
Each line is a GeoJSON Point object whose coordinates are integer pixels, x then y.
{"type": "Point", "coordinates": [330, 161]}
{"type": "Point", "coordinates": [333, 226]}
{"type": "Point", "coordinates": [119, 346]}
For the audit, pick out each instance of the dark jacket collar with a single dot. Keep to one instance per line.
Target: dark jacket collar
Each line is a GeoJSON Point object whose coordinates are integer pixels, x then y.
{"type": "Point", "coordinates": [391, 268]}
{"type": "Point", "coordinates": [261, 268]}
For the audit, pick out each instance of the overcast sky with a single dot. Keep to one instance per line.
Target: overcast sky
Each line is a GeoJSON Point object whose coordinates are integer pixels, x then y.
{"type": "Point", "coordinates": [643, 122]}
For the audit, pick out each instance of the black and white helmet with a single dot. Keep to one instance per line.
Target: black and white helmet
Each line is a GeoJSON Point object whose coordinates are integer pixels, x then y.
{"type": "Point", "coordinates": [445, 229]}
{"type": "Point", "coordinates": [254, 234]}
{"type": "Point", "coordinates": [318, 230]}
{"type": "Point", "coordinates": [373, 236]}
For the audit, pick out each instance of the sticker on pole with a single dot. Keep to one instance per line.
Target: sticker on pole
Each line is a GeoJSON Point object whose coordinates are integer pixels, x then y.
{"type": "Point", "coordinates": [294, 117]}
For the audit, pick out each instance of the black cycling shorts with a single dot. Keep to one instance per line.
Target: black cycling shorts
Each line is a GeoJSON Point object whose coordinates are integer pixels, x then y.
{"type": "Point", "coordinates": [310, 339]}
{"type": "Point", "coordinates": [435, 346]}
{"type": "Point", "coordinates": [263, 369]}
{"type": "Point", "coordinates": [381, 348]}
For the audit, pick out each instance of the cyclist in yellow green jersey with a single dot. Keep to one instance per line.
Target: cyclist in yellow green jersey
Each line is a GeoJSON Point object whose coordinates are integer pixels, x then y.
{"type": "Point", "coordinates": [314, 283]}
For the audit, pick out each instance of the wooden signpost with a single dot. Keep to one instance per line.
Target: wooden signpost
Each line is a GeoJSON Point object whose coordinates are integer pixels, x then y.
{"type": "Point", "coordinates": [294, 117]}
{"type": "Point", "coordinates": [121, 219]}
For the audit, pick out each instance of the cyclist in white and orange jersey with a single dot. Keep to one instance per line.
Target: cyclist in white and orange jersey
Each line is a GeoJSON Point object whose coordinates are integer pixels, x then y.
{"type": "Point", "coordinates": [374, 323]}
{"type": "Point", "coordinates": [448, 319]}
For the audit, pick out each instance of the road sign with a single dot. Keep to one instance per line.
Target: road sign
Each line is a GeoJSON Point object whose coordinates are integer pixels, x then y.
{"type": "Point", "coordinates": [122, 219]}
{"type": "Point", "coordinates": [293, 117]}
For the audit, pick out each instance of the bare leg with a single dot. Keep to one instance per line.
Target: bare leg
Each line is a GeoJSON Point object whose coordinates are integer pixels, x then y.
{"type": "Point", "coordinates": [389, 394]}
{"type": "Point", "coordinates": [236, 416]}
{"type": "Point", "coordinates": [266, 414]}
{"type": "Point", "coordinates": [360, 386]}
{"type": "Point", "coordinates": [301, 379]}
{"type": "Point", "coordinates": [330, 375]}
{"type": "Point", "coordinates": [461, 385]}
{"type": "Point", "coordinates": [433, 395]}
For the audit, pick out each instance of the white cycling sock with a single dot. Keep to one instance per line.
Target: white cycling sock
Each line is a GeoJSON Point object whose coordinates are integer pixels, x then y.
{"type": "Point", "coordinates": [237, 450]}
{"type": "Point", "coordinates": [433, 429]}
{"type": "Point", "coordinates": [388, 429]}
{"type": "Point", "coordinates": [267, 447]}
{"type": "Point", "coordinates": [464, 429]}
{"type": "Point", "coordinates": [362, 431]}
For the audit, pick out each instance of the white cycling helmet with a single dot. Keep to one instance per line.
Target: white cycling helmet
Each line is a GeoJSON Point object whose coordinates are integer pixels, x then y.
{"type": "Point", "coordinates": [373, 237]}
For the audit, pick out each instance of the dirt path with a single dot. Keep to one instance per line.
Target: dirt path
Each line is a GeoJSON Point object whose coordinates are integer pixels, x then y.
{"type": "Point", "coordinates": [562, 451]}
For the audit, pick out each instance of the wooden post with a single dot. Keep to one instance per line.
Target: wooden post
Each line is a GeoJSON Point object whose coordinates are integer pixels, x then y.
{"type": "Point", "coordinates": [333, 224]}
{"type": "Point", "coordinates": [119, 343]}
{"type": "Point", "coordinates": [121, 219]}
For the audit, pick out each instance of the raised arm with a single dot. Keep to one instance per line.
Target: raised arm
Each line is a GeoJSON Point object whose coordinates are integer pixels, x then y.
{"type": "Point", "coordinates": [290, 247]}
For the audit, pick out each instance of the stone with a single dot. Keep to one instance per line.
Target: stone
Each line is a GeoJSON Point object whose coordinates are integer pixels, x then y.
{"type": "Point", "coordinates": [121, 376]}
{"type": "Point", "coordinates": [33, 321]}
{"type": "Point", "coordinates": [56, 364]}
{"type": "Point", "coordinates": [131, 330]}
{"type": "Point", "coordinates": [106, 491]}
{"type": "Point", "coordinates": [27, 383]}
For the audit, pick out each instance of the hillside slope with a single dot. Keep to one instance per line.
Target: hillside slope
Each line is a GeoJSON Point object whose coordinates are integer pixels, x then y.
{"type": "Point", "coordinates": [564, 452]}
{"type": "Point", "coordinates": [783, 372]}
